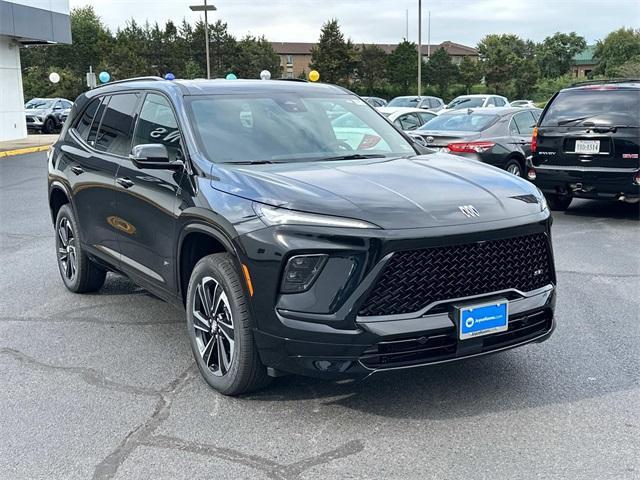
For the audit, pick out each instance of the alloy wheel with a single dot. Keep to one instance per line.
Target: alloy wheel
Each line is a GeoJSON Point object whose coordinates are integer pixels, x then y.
{"type": "Point", "coordinates": [67, 253]}
{"type": "Point", "coordinates": [514, 169]}
{"type": "Point", "coordinates": [213, 325]}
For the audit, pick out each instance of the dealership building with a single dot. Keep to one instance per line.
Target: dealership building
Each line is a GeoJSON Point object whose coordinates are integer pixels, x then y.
{"type": "Point", "coordinates": [25, 22]}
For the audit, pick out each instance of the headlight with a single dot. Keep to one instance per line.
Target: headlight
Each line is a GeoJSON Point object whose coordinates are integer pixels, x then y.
{"type": "Point", "coordinates": [283, 216]}
{"type": "Point", "coordinates": [542, 201]}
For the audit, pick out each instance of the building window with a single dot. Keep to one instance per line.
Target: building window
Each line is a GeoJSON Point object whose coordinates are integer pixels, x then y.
{"type": "Point", "coordinates": [289, 59]}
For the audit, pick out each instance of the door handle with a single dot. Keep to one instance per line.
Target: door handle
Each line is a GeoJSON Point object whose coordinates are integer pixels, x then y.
{"type": "Point", "coordinates": [125, 182]}
{"type": "Point", "coordinates": [77, 170]}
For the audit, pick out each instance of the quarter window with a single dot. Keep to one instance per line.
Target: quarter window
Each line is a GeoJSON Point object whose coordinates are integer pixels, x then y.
{"type": "Point", "coordinates": [522, 123]}
{"type": "Point", "coordinates": [157, 124]}
{"type": "Point", "coordinates": [408, 121]}
{"type": "Point", "coordinates": [114, 135]}
{"type": "Point", "coordinates": [86, 119]}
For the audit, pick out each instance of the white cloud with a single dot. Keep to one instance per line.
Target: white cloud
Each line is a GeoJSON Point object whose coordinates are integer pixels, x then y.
{"type": "Point", "coordinates": [462, 21]}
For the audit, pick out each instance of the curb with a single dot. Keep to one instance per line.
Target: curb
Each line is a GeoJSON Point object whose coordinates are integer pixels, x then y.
{"type": "Point", "coordinates": [20, 151]}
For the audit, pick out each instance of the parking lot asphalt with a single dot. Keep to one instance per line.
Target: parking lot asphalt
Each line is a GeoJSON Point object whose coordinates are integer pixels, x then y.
{"type": "Point", "coordinates": [103, 385]}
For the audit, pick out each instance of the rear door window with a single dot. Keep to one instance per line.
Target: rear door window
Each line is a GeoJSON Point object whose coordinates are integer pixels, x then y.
{"type": "Point", "coordinates": [610, 106]}
{"type": "Point", "coordinates": [409, 121]}
{"type": "Point", "coordinates": [523, 123]}
{"type": "Point", "coordinates": [114, 135]}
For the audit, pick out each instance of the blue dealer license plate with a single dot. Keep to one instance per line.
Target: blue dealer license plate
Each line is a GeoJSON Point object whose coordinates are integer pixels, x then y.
{"type": "Point", "coordinates": [484, 319]}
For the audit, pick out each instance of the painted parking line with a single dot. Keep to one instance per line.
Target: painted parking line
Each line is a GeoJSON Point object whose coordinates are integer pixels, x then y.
{"type": "Point", "coordinates": [20, 151]}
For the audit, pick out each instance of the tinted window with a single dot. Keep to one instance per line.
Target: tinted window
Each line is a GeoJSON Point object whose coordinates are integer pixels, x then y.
{"type": "Point", "coordinates": [157, 124]}
{"type": "Point", "coordinates": [93, 131]}
{"type": "Point", "coordinates": [287, 127]}
{"type": "Point", "coordinates": [82, 127]}
{"type": "Point", "coordinates": [500, 102]}
{"type": "Point", "coordinates": [460, 122]}
{"type": "Point", "coordinates": [615, 106]}
{"type": "Point", "coordinates": [523, 123]}
{"type": "Point", "coordinates": [114, 135]}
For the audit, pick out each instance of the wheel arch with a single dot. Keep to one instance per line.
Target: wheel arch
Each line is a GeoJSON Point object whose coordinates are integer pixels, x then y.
{"type": "Point", "coordinates": [519, 157]}
{"type": "Point", "coordinates": [58, 196]}
{"type": "Point", "coordinates": [195, 241]}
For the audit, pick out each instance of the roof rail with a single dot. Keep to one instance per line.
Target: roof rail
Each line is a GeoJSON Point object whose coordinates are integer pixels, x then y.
{"type": "Point", "coordinates": [610, 80]}
{"type": "Point", "coordinates": [134, 79]}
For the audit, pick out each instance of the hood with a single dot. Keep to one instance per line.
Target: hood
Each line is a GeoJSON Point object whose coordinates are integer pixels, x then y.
{"type": "Point", "coordinates": [422, 191]}
{"type": "Point", "coordinates": [34, 112]}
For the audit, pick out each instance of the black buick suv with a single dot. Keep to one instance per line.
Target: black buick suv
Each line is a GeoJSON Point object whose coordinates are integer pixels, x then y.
{"type": "Point", "coordinates": [296, 246]}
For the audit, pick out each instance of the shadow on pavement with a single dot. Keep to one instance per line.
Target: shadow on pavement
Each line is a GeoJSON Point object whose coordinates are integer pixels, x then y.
{"type": "Point", "coordinates": [603, 209]}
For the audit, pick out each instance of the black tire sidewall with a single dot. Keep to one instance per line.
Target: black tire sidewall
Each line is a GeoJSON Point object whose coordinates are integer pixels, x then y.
{"type": "Point", "coordinates": [221, 267]}
{"type": "Point", "coordinates": [66, 212]}
{"type": "Point", "coordinates": [513, 161]}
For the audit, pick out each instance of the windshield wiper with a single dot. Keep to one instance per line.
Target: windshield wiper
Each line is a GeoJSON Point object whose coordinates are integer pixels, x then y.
{"type": "Point", "coordinates": [571, 120]}
{"type": "Point", "coordinates": [251, 162]}
{"type": "Point", "coordinates": [352, 156]}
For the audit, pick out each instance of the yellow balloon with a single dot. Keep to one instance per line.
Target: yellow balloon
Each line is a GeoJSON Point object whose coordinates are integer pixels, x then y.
{"type": "Point", "coordinates": [314, 76]}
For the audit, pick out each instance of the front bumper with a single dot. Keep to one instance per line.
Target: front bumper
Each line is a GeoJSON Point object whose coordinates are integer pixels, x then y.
{"type": "Point", "coordinates": [584, 182]}
{"type": "Point", "coordinates": [320, 332]}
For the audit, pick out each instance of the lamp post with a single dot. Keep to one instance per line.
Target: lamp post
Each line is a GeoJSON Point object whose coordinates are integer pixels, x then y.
{"type": "Point", "coordinates": [205, 8]}
{"type": "Point", "coordinates": [419, 48]}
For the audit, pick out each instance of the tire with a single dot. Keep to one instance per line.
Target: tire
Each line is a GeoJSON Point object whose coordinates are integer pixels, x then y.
{"type": "Point", "coordinates": [514, 167]}
{"type": "Point", "coordinates": [79, 274]}
{"type": "Point", "coordinates": [220, 328]}
{"type": "Point", "coordinates": [49, 125]}
{"type": "Point", "coordinates": [558, 202]}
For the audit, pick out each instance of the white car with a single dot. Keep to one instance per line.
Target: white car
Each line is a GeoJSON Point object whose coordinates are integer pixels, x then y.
{"type": "Point", "coordinates": [523, 104]}
{"type": "Point", "coordinates": [476, 101]}
{"type": "Point", "coordinates": [407, 118]}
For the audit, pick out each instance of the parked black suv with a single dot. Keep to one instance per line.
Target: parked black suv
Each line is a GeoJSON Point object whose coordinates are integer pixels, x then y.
{"type": "Point", "coordinates": [291, 250]}
{"type": "Point", "coordinates": [587, 144]}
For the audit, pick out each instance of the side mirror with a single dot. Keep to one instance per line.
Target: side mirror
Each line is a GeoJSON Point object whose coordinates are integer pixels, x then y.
{"type": "Point", "coordinates": [153, 155]}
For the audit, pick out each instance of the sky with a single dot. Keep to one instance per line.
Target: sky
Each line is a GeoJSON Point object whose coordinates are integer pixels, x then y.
{"type": "Point", "coordinates": [384, 21]}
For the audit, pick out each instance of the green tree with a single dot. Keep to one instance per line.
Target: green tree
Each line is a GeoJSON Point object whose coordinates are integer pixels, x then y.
{"type": "Point", "coordinates": [223, 48]}
{"type": "Point", "coordinates": [255, 55]}
{"type": "Point", "coordinates": [372, 67]}
{"type": "Point", "coordinates": [469, 73]}
{"type": "Point", "coordinates": [440, 71]}
{"type": "Point", "coordinates": [402, 66]}
{"type": "Point", "coordinates": [334, 57]}
{"type": "Point", "coordinates": [616, 49]}
{"type": "Point", "coordinates": [508, 64]}
{"type": "Point", "coordinates": [555, 52]}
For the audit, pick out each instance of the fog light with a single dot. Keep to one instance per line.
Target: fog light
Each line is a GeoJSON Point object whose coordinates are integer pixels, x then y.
{"type": "Point", "coordinates": [301, 271]}
{"type": "Point", "coordinates": [531, 174]}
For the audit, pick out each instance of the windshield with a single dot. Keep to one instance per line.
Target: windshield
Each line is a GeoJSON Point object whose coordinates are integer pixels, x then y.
{"type": "Point", "coordinates": [613, 106]}
{"type": "Point", "coordinates": [38, 103]}
{"type": "Point", "coordinates": [403, 102]}
{"type": "Point", "coordinates": [287, 127]}
{"type": "Point", "coordinates": [466, 102]}
{"type": "Point", "coordinates": [460, 122]}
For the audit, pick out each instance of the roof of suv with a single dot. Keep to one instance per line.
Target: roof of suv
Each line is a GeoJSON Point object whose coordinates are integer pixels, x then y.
{"type": "Point", "coordinates": [221, 86]}
{"type": "Point", "coordinates": [603, 84]}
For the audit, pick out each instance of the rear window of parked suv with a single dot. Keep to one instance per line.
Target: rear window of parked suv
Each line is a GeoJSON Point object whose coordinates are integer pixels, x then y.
{"type": "Point", "coordinates": [617, 106]}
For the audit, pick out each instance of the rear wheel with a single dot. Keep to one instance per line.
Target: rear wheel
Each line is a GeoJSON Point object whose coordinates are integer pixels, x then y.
{"type": "Point", "coordinates": [78, 272]}
{"type": "Point", "coordinates": [513, 167]}
{"type": "Point", "coordinates": [219, 328]}
{"type": "Point", "coordinates": [49, 125]}
{"type": "Point", "coordinates": [558, 202]}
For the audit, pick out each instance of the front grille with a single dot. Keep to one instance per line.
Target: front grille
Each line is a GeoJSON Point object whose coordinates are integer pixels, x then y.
{"type": "Point", "coordinates": [412, 279]}
{"type": "Point", "coordinates": [445, 346]}
{"type": "Point", "coordinates": [30, 119]}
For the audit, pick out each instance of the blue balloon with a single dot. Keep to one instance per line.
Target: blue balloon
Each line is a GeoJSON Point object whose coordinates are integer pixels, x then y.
{"type": "Point", "coordinates": [231, 76]}
{"type": "Point", "coordinates": [169, 76]}
{"type": "Point", "coordinates": [104, 77]}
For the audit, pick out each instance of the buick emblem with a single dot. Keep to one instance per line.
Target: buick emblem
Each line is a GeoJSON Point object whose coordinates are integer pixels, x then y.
{"type": "Point", "coordinates": [469, 211]}
{"type": "Point", "coordinates": [429, 139]}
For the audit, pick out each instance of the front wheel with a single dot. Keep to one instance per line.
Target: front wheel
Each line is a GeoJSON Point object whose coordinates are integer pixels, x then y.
{"type": "Point", "coordinates": [49, 125]}
{"type": "Point", "coordinates": [558, 202]}
{"type": "Point", "coordinates": [219, 328]}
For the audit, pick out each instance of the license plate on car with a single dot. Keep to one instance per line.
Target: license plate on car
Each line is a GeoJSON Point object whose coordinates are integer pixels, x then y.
{"type": "Point", "coordinates": [483, 319]}
{"type": "Point", "coordinates": [587, 146]}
